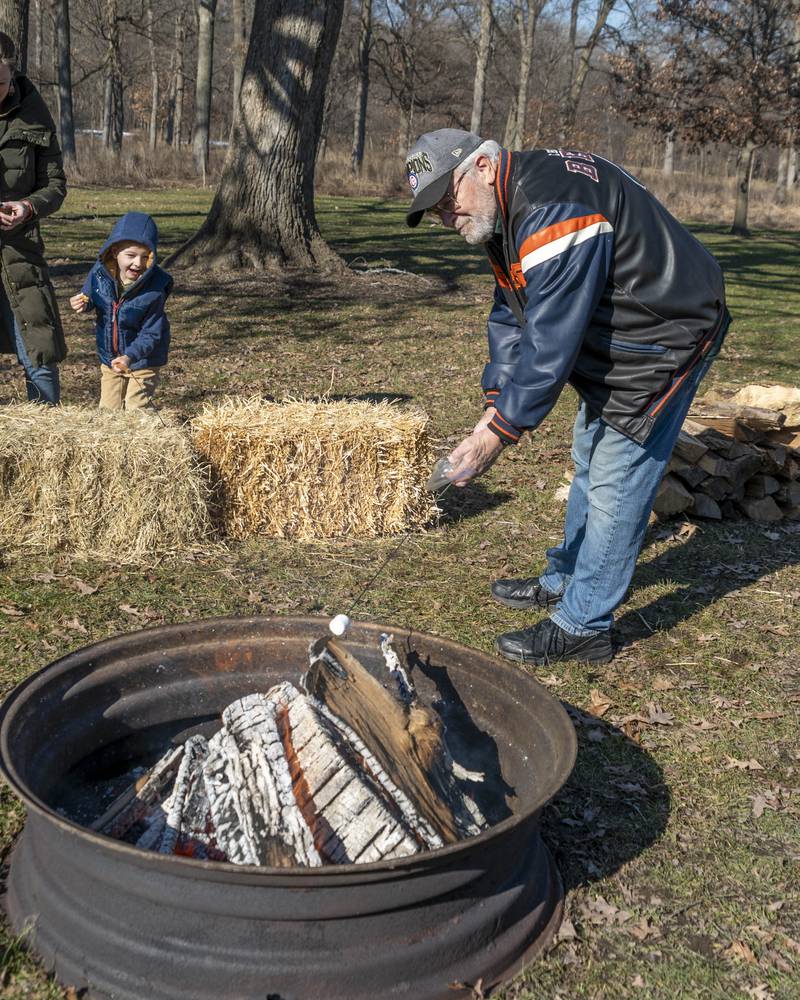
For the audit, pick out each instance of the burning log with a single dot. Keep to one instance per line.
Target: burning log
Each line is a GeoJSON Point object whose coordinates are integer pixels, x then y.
{"type": "Point", "coordinates": [345, 772]}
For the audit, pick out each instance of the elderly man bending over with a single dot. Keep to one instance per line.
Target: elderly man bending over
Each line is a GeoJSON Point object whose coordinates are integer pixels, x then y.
{"type": "Point", "coordinates": [599, 286]}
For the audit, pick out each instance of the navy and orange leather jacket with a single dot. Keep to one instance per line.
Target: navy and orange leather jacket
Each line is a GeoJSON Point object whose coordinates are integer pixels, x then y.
{"type": "Point", "coordinates": [596, 285]}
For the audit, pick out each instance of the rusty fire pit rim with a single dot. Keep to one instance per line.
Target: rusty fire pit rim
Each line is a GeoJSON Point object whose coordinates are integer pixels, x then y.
{"type": "Point", "coordinates": [9, 775]}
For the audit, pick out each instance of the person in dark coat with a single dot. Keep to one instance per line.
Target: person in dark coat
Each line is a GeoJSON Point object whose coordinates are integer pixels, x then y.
{"type": "Point", "coordinates": [596, 284]}
{"type": "Point", "coordinates": [32, 185]}
{"type": "Point", "coordinates": [128, 291]}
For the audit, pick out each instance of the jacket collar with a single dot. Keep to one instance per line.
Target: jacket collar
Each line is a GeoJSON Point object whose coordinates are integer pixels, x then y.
{"type": "Point", "coordinates": [501, 185]}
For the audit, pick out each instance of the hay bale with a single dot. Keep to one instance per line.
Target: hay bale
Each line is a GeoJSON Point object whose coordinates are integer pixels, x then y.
{"type": "Point", "coordinates": [89, 482]}
{"type": "Point", "coordinates": [307, 470]}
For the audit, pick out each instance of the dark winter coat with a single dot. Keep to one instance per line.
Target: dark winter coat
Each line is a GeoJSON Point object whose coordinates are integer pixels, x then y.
{"type": "Point", "coordinates": [132, 320]}
{"type": "Point", "coordinates": [597, 285]}
{"type": "Point", "coordinates": [30, 170]}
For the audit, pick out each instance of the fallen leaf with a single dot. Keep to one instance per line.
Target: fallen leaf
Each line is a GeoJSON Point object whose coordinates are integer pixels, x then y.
{"type": "Point", "coordinates": [658, 717]}
{"type": "Point", "coordinates": [599, 703]}
{"type": "Point", "coordinates": [74, 625]}
{"type": "Point", "coordinates": [742, 765]}
{"type": "Point", "coordinates": [701, 725]}
{"type": "Point", "coordinates": [566, 932]}
{"type": "Point", "coordinates": [638, 982]}
{"type": "Point", "coordinates": [759, 805]}
{"type": "Point", "coordinates": [759, 992]}
{"type": "Point", "coordinates": [552, 681]}
{"type": "Point", "coordinates": [720, 702]}
{"type": "Point", "coordinates": [741, 951]}
{"type": "Point", "coordinates": [129, 609]}
{"type": "Point", "coordinates": [763, 716]}
{"type": "Point", "coordinates": [253, 597]}
{"type": "Point", "coordinates": [47, 577]}
{"type": "Point", "coordinates": [663, 684]}
{"type": "Point", "coordinates": [83, 588]}
{"type": "Point", "coordinates": [11, 610]}
{"type": "Point", "coordinates": [644, 929]}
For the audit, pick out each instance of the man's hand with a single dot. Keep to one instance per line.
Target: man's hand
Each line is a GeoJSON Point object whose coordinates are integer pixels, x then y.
{"type": "Point", "coordinates": [474, 455]}
{"type": "Point", "coordinates": [12, 213]}
{"type": "Point", "coordinates": [486, 419]}
{"type": "Point", "coordinates": [121, 364]}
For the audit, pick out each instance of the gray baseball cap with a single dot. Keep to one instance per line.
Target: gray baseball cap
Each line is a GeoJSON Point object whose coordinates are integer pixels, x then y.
{"type": "Point", "coordinates": [430, 164]}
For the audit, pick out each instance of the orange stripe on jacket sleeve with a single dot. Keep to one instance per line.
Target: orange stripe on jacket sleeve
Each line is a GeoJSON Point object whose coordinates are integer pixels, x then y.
{"type": "Point", "coordinates": [556, 231]}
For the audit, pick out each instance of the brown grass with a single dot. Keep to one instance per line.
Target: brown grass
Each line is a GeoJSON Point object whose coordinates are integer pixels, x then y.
{"type": "Point", "coordinates": [309, 470]}
{"type": "Point", "coordinates": [88, 482]}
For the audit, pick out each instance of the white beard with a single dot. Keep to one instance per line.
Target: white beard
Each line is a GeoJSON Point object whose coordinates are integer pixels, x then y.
{"type": "Point", "coordinates": [479, 228]}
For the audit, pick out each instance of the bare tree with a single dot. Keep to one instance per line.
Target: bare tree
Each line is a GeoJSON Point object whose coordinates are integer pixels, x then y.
{"type": "Point", "coordinates": [113, 110]}
{"type": "Point", "coordinates": [482, 56]}
{"type": "Point", "coordinates": [580, 58]}
{"type": "Point", "coordinates": [263, 211]}
{"type": "Point", "coordinates": [206, 14]}
{"type": "Point", "coordinates": [362, 85]}
{"type": "Point", "coordinates": [151, 44]}
{"type": "Point", "coordinates": [526, 15]}
{"type": "Point", "coordinates": [239, 25]}
{"type": "Point", "coordinates": [63, 62]}
{"type": "Point", "coordinates": [730, 77]}
{"type": "Point", "coordinates": [14, 22]}
{"type": "Point", "coordinates": [178, 84]}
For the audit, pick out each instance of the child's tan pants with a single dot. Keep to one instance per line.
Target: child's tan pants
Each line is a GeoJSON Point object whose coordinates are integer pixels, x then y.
{"type": "Point", "coordinates": [127, 391]}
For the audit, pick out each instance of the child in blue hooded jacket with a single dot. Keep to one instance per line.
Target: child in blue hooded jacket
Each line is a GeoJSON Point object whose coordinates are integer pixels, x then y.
{"type": "Point", "coordinates": [128, 291]}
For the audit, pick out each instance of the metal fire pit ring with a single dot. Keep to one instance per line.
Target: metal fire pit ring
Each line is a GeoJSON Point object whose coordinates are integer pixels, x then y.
{"type": "Point", "coordinates": [130, 924]}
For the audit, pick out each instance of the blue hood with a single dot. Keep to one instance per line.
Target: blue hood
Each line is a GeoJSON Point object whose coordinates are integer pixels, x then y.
{"type": "Point", "coordinates": [137, 227]}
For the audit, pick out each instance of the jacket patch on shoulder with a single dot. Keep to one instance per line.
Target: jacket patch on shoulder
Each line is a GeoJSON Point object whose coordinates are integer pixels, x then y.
{"type": "Point", "coordinates": [577, 163]}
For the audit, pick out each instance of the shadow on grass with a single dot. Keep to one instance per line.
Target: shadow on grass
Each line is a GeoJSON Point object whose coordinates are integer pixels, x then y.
{"type": "Point", "coordinates": [711, 564]}
{"type": "Point", "coordinates": [460, 504]}
{"type": "Point", "coordinates": [613, 806]}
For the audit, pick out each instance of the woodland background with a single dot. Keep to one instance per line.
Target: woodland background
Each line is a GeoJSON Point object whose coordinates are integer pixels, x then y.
{"type": "Point", "coordinates": [701, 98]}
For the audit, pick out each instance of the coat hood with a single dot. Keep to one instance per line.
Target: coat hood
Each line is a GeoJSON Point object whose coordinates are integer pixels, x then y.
{"type": "Point", "coordinates": [135, 227]}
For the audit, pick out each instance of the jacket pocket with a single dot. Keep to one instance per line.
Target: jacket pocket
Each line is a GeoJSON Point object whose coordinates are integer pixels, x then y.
{"type": "Point", "coordinates": [632, 347]}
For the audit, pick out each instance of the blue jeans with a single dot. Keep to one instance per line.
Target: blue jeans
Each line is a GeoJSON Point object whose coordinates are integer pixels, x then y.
{"type": "Point", "coordinates": [609, 504]}
{"type": "Point", "coordinates": [42, 383]}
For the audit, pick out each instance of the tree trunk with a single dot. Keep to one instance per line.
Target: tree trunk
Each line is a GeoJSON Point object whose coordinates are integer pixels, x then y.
{"type": "Point", "coordinates": [481, 66]}
{"type": "Point", "coordinates": [38, 36]}
{"type": "Point", "coordinates": [526, 15]}
{"type": "Point", "coordinates": [791, 168]}
{"type": "Point", "coordinates": [668, 168]}
{"type": "Point", "coordinates": [113, 112]}
{"type": "Point", "coordinates": [743, 172]}
{"type": "Point", "coordinates": [263, 211]}
{"type": "Point", "coordinates": [66, 120]}
{"type": "Point", "coordinates": [151, 42]}
{"type": "Point", "coordinates": [569, 114]}
{"type": "Point", "coordinates": [239, 53]}
{"type": "Point", "coordinates": [206, 14]}
{"type": "Point", "coordinates": [782, 172]}
{"type": "Point", "coordinates": [180, 77]}
{"type": "Point", "coordinates": [14, 22]}
{"type": "Point", "coordinates": [362, 86]}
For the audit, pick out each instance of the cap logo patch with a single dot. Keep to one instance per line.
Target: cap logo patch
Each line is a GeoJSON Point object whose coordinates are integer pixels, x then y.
{"type": "Point", "coordinates": [456, 152]}
{"type": "Point", "coordinates": [413, 181]}
{"type": "Point", "coordinates": [419, 163]}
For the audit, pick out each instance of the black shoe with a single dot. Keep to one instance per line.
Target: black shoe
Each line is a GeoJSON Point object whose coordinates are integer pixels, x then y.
{"type": "Point", "coordinates": [528, 593]}
{"type": "Point", "coordinates": [549, 643]}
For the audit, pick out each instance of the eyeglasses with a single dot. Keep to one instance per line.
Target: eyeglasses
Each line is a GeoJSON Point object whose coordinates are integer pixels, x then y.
{"type": "Point", "coordinates": [448, 203]}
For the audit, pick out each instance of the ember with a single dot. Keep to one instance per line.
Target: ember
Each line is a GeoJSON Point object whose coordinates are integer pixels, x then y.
{"type": "Point", "coordinates": [350, 770]}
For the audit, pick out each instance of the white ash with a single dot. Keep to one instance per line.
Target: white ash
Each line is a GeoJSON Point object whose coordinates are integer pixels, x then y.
{"type": "Point", "coordinates": [286, 782]}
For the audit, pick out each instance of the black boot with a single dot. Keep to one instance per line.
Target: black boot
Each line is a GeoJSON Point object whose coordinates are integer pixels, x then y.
{"type": "Point", "coordinates": [527, 593]}
{"type": "Point", "coordinates": [549, 643]}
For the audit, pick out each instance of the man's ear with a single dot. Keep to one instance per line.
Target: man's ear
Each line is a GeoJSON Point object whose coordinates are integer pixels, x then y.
{"type": "Point", "coordinates": [486, 168]}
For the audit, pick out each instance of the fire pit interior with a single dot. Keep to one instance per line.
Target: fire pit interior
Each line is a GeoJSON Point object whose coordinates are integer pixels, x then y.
{"type": "Point", "coordinates": [452, 883]}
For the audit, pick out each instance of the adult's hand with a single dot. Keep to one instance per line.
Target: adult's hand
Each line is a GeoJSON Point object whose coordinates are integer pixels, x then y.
{"type": "Point", "coordinates": [486, 419]}
{"type": "Point", "coordinates": [12, 213]}
{"type": "Point", "coordinates": [474, 456]}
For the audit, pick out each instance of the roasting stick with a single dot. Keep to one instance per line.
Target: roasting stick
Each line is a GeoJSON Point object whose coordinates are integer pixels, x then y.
{"type": "Point", "coordinates": [438, 484]}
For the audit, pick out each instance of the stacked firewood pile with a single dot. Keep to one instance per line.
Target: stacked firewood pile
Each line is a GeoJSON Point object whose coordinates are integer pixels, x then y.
{"type": "Point", "coordinates": [737, 456]}
{"type": "Point", "coordinates": [351, 769]}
